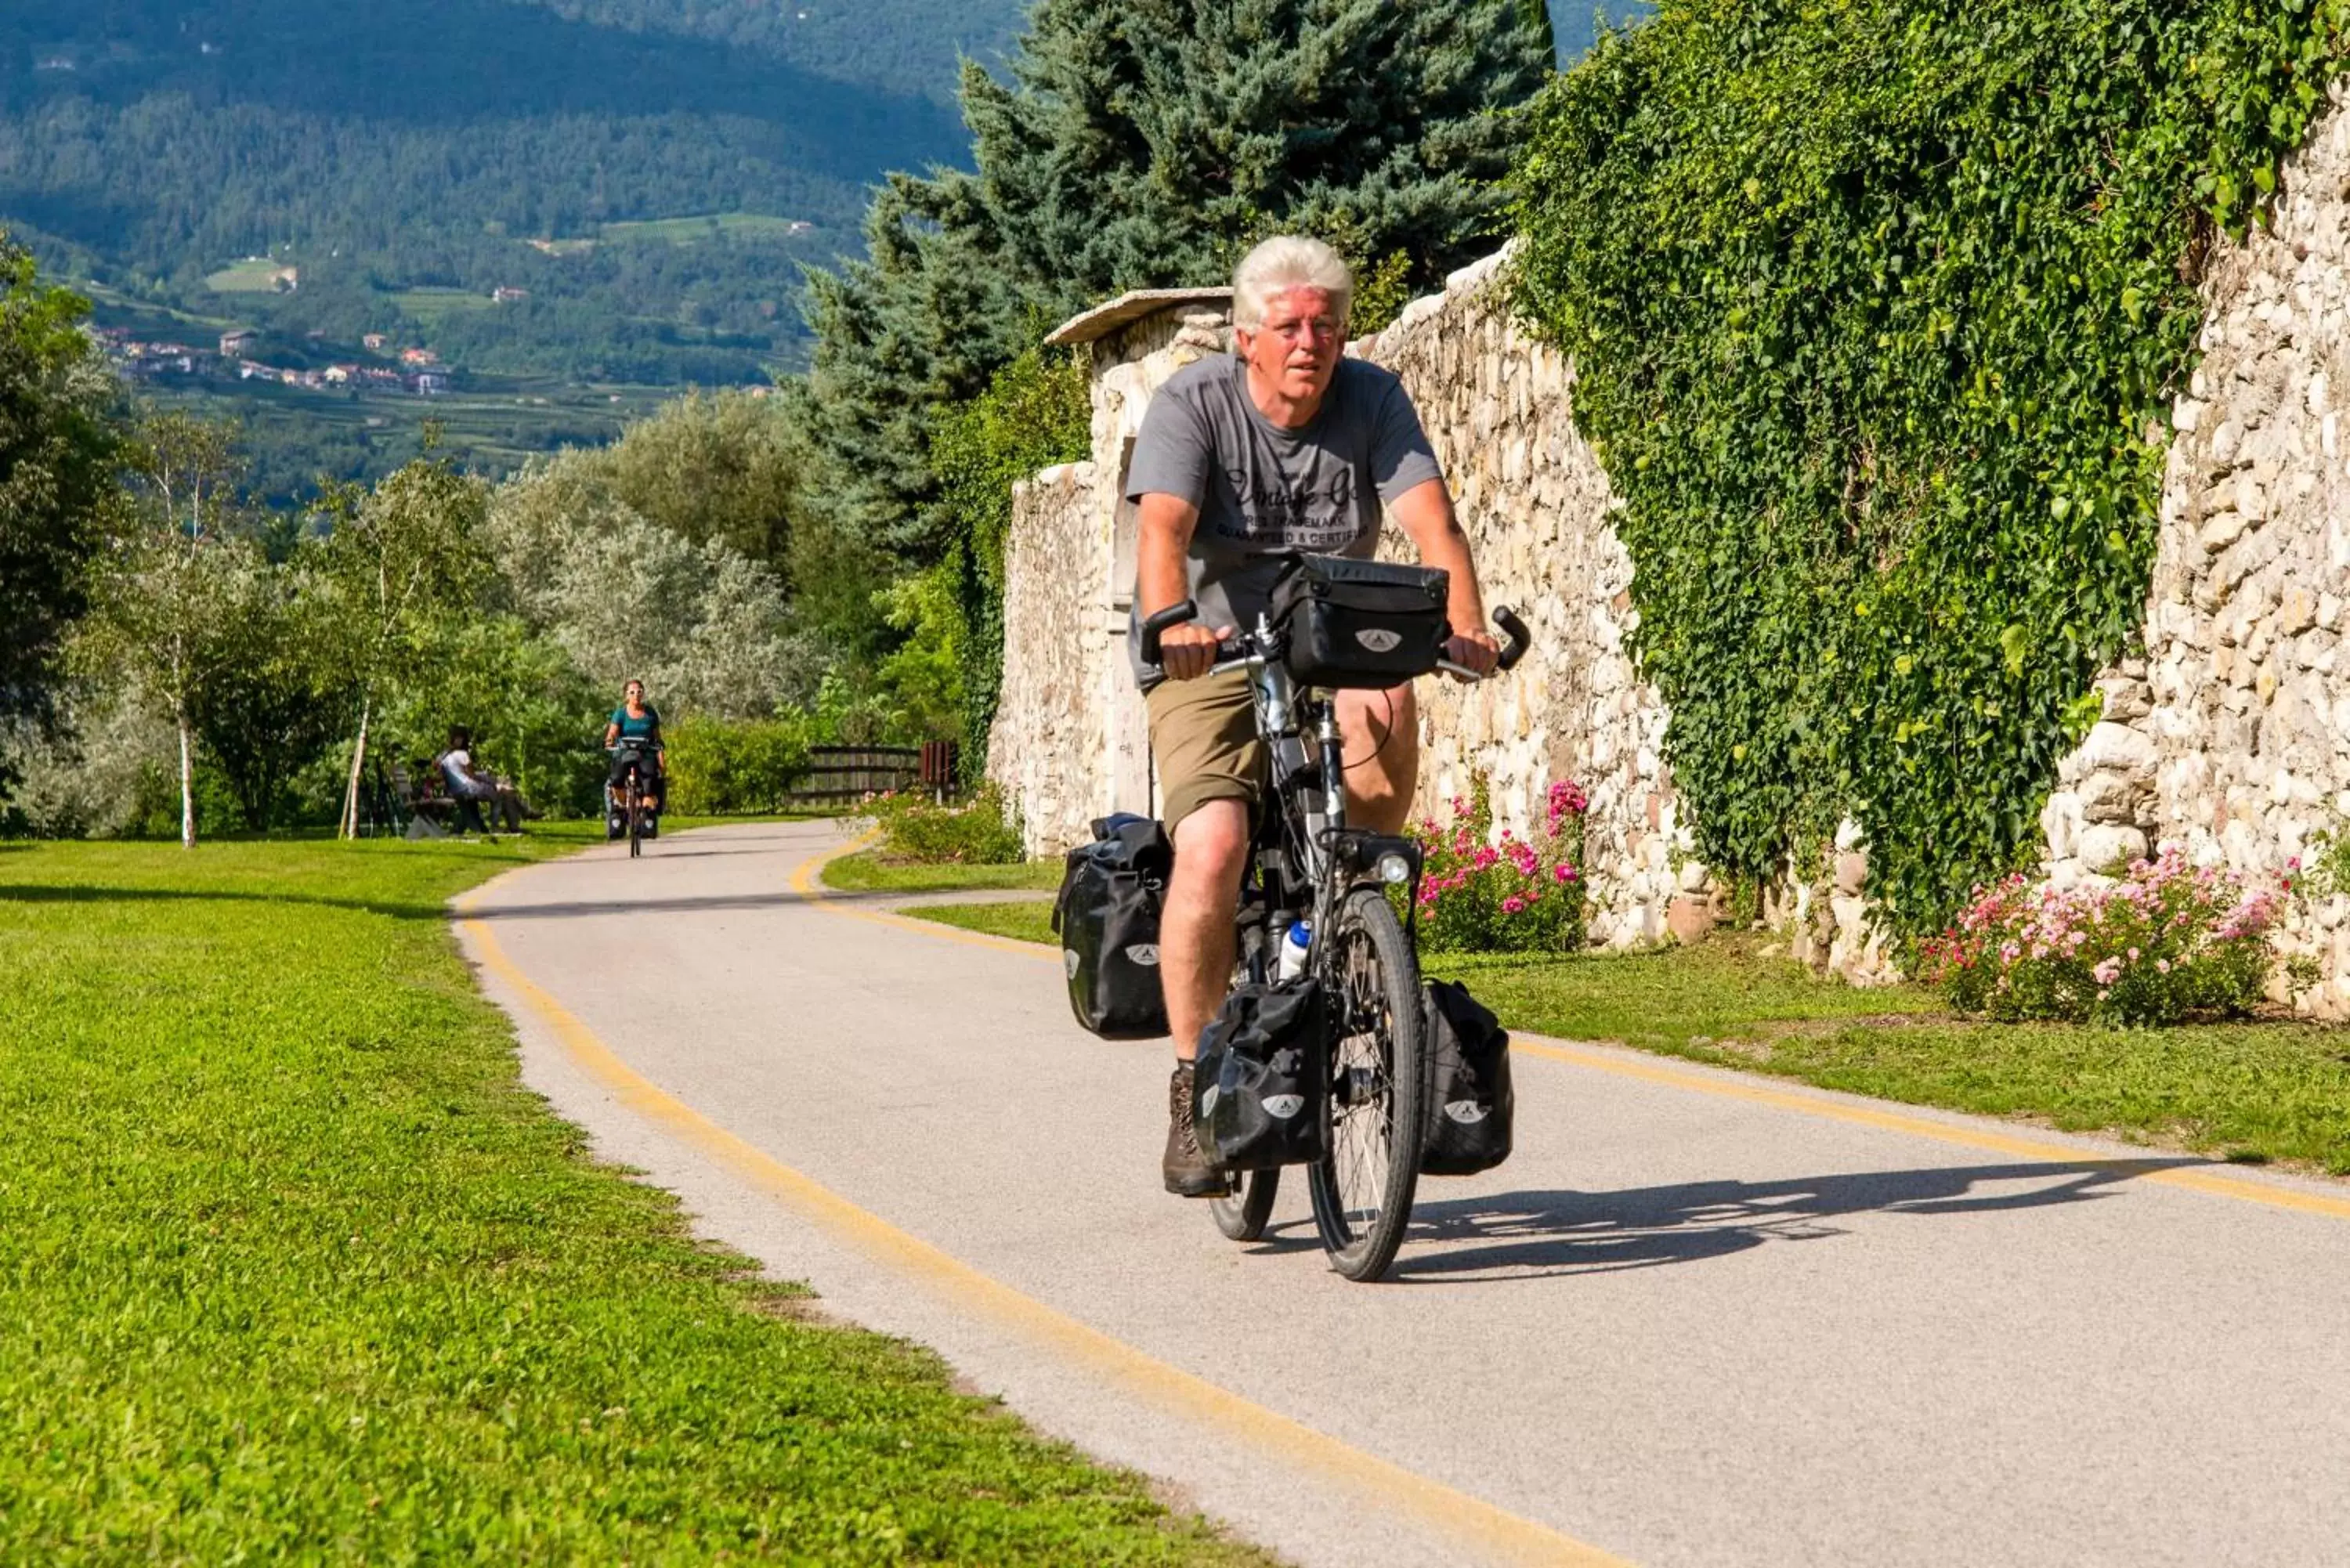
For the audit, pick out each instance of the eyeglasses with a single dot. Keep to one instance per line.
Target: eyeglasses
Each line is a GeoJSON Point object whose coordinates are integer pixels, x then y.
{"type": "Point", "coordinates": [1321, 328]}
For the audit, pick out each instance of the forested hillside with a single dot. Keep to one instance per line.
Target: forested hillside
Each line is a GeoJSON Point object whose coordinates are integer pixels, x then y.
{"type": "Point", "coordinates": [641, 178]}
{"type": "Point", "coordinates": [568, 204]}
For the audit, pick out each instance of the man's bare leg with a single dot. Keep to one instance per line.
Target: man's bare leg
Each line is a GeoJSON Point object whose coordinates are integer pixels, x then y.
{"type": "Point", "coordinates": [1380, 732]}
{"type": "Point", "coordinates": [1195, 965]}
{"type": "Point", "coordinates": [1195, 924]}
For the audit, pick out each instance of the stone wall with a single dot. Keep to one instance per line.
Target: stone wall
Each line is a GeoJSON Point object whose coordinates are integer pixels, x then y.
{"type": "Point", "coordinates": [1498, 407]}
{"type": "Point", "coordinates": [2230, 735]}
{"type": "Point", "coordinates": [1070, 742]}
{"type": "Point", "coordinates": [1045, 752]}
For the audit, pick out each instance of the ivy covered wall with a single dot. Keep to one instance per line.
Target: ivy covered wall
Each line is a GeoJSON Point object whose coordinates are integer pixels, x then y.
{"type": "Point", "coordinates": [1876, 308]}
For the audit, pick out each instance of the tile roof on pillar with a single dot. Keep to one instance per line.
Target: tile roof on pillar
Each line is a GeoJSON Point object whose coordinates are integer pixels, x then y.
{"type": "Point", "coordinates": [1130, 306]}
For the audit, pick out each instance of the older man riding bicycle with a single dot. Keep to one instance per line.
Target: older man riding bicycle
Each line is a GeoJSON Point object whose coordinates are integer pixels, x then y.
{"type": "Point", "coordinates": [1284, 447]}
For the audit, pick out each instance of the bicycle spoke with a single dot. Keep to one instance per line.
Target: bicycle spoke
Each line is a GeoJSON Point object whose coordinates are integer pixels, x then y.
{"type": "Point", "coordinates": [1363, 1187]}
{"type": "Point", "coordinates": [1361, 1119]}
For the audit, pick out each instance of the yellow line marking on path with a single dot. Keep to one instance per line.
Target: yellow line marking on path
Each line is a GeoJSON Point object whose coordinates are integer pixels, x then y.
{"type": "Point", "coordinates": [1452, 1513]}
{"type": "Point", "coordinates": [1662, 1071]}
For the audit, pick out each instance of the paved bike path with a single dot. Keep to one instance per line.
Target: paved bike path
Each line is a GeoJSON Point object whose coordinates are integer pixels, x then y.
{"type": "Point", "coordinates": [1699, 1318]}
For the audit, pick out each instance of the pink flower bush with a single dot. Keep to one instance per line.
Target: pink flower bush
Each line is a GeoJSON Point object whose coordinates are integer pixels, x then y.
{"type": "Point", "coordinates": [1482, 893]}
{"type": "Point", "coordinates": [2166, 940]}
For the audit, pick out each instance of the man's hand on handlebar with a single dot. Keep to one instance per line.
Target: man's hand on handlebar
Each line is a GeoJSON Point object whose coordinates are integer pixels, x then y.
{"type": "Point", "coordinates": [1474, 650]}
{"type": "Point", "coordinates": [1187, 651]}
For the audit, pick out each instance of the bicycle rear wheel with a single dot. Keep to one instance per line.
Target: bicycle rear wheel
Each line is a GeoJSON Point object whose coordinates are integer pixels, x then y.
{"type": "Point", "coordinates": [1240, 1213]}
{"type": "Point", "coordinates": [1362, 1186]}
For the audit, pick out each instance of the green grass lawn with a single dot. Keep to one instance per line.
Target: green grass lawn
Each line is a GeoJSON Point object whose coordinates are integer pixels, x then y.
{"type": "Point", "coordinates": [254, 275]}
{"type": "Point", "coordinates": [2250, 1091]}
{"type": "Point", "coordinates": [690, 231]}
{"type": "Point", "coordinates": [429, 305]}
{"type": "Point", "coordinates": [2254, 1092]}
{"type": "Point", "coordinates": [1021, 919]}
{"type": "Point", "coordinates": [1728, 989]}
{"type": "Point", "coordinates": [866, 871]}
{"type": "Point", "coordinates": [293, 1269]}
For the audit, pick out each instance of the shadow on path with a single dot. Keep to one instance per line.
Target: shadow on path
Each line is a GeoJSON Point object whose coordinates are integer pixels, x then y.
{"type": "Point", "coordinates": [777, 899]}
{"type": "Point", "coordinates": [1542, 1234]}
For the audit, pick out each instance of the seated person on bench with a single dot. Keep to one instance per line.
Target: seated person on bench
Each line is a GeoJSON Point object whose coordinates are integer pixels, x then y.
{"type": "Point", "coordinates": [472, 789]}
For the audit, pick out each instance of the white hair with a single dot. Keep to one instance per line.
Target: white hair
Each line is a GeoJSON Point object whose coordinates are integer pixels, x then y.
{"type": "Point", "coordinates": [1282, 263]}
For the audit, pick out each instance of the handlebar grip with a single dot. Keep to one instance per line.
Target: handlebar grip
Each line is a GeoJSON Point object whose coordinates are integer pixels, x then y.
{"type": "Point", "coordinates": [1172, 616]}
{"type": "Point", "coordinates": [1517, 638]}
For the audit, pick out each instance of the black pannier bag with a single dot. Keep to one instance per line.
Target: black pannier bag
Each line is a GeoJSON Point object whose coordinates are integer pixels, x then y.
{"type": "Point", "coordinates": [1361, 623]}
{"type": "Point", "coordinates": [1256, 1089]}
{"type": "Point", "coordinates": [1470, 1110]}
{"type": "Point", "coordinates": [1108, 916]}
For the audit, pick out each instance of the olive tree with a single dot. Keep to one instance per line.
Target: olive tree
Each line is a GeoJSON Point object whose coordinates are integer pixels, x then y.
{"type": "Point", "coordinates": [398, 561]}
{"type": "Point", "coordinates": [174, 606]}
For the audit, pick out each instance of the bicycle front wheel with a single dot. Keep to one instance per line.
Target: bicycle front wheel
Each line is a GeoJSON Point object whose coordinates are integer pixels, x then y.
{"type": "Point", "coordinates": [636, 815]}
{"type": "Point", "coordinates": [1362, 1186]}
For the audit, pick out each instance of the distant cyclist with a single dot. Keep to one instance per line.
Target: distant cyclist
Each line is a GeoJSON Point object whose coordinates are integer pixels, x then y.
{"type": "Point", "coordinates": [1286, 446]}
{"type": "Point", "coordinates": [637, 722]}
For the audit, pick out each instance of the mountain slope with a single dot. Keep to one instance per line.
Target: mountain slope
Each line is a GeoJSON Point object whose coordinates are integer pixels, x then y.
{"type": "Point", "coordinates": [560, 201]}
{"type": "Point", "coordinates": [563, 201]}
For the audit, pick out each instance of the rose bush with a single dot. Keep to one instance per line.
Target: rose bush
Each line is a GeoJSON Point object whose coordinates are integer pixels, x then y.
{"type": "Point", "coordinates": [1483, 895]}
{"type": "Point", "coordinates": [980, 832]}
{"type": "Point", "coordinates": [2166, 940]}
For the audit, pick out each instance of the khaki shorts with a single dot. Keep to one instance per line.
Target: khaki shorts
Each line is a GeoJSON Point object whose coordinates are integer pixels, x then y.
{"type": "Point", "coordinates": [1203, 735]}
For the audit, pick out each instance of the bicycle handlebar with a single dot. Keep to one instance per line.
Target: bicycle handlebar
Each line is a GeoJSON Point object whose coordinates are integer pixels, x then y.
{"type": "Point", "coordinates": [1166, 620]}
{"type": "Point", "coordinates": [1234, 653]}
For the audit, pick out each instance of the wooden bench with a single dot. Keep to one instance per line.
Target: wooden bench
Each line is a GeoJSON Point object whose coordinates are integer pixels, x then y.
{"type": "Point", "coordinates": [430, 800]}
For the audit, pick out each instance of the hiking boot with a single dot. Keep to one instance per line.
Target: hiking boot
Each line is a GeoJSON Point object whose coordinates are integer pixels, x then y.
{"type": "Point", "coordinates": [1187, 1171]}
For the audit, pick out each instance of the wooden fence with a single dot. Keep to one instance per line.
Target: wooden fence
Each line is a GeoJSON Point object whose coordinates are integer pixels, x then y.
{"type": "Point", "coordinates": [843, 775]}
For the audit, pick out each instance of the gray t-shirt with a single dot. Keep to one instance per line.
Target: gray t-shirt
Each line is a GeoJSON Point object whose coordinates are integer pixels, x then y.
{"type": "Point", "coordinates": [1263, 491]}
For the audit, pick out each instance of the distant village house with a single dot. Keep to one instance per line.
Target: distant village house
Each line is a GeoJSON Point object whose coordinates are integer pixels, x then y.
{"type": "Point", "coordinates": [234, 344]}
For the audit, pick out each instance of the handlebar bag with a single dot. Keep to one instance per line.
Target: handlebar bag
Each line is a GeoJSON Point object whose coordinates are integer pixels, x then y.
{"type": "Point", "coordinates": [1257, 1088]}
{"type": "Point", "coordinates": [1107, 918]}
{"type": "Point", "coordinates": [1361, 623]}
{"type": "Point", "coordinates": [1471, 1112]}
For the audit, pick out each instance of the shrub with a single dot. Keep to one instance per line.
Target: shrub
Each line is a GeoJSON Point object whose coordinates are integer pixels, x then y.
{"type": "Point", "coordinates": [2323, 868]}
{"type": "Point", "coordinates": [155, 810]}
{"type": "Point", "coordinates": [1512, 895]}
{"type": "Point", "coordinates": [2165, 941]}
{"type": "Point", "coordinates": [722, 767]}
{"type": "Point", "coordinates": [980, 832]}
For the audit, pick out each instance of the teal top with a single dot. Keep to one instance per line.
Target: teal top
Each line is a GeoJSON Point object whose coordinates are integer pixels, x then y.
{"type": "Point", "coordinates": [647, 728]}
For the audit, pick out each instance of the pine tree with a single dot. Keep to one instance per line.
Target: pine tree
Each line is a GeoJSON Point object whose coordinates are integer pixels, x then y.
{"type": "Point", "coordinates": [918, 325]}
{"type": "Point", "coordinates": [1144, 144]}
